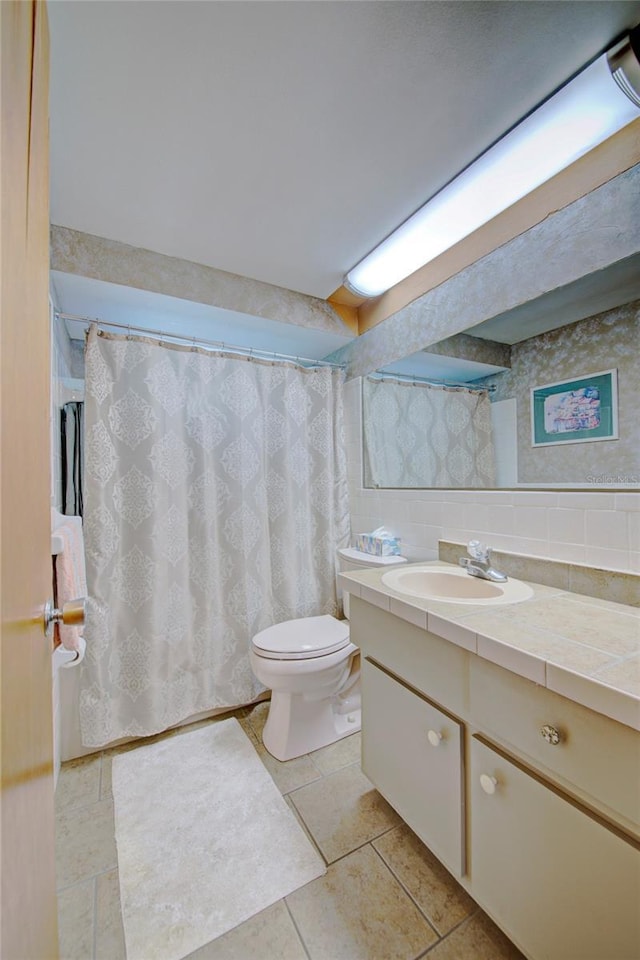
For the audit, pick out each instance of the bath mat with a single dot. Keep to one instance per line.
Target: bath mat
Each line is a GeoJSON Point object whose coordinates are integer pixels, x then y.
{"type": "Point", "coordinates": [204, 838]}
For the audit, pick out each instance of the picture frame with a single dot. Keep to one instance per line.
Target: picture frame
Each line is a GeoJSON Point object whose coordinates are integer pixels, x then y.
{"type": "Point", "coordinates": [579, 410]}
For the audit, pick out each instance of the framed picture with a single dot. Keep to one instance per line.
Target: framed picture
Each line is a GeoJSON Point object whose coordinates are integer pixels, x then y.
{"type": "Point", "coordinates": [575, 411]}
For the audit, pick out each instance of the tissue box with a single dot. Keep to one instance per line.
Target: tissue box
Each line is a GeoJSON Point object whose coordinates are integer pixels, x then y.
{"type": "Point", "coordinates": [378, 546]}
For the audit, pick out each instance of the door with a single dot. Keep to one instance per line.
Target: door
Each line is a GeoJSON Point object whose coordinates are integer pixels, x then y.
{"type": "Point", "coordinates": [28, 924]}
{"type": "Point", "coordinates": [412, 752]}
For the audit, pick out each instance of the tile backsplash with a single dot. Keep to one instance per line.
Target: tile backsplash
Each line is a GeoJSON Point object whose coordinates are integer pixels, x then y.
{"type": "Point", "coordinates": [601, 529]}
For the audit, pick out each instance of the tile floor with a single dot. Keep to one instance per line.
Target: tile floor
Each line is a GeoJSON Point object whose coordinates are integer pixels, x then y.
{"type": "Point", "coordinates": [384, 896]}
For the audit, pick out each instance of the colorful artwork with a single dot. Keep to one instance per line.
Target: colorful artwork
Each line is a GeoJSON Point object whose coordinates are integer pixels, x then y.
{"type": "Point", "coordinates": [575, 411]}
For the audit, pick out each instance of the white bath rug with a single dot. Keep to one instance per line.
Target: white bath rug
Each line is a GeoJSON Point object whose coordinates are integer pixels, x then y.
{"type": "Point", "coordinates": [205, 840]}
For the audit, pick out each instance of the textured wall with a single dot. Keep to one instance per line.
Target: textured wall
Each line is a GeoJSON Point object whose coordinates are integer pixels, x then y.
{"type": "Point", "coordinates": [590, 234]}
{"type": "Point", "coordinates": [114, 262]}
{"type": "Point", "coordinates": [603, 342]}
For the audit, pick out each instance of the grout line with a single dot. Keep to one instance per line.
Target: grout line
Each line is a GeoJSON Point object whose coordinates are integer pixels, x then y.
{"type": "Point", "coordinates": [95, 917]}
{"type": "Point", "coordinates": [92, 876]}
{"type": "Point", "coordinates": [409, 894]}
{"type": "Point", "coordinates": [295, 926]}
{"type": "Point", "coordinates": [301, 821]}
{"type": "Point", "coordinates": [101, 775]}
{"type": "Point", "coordinates": [449, 932]}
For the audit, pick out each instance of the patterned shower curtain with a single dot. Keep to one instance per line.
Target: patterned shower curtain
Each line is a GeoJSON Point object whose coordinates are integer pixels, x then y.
{"type": "Point", "coordinates": [215, 498]}
{"type": "Point", "coordinates": [418, 435]}
{"type": "Point", "coordinates": [72, 433]}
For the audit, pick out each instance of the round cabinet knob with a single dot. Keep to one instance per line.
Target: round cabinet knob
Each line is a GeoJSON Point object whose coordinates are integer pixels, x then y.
{"type": "Point", "coordinates": [550, 734]}
{"type": "Point", "coordinates": [488, 783]}
{"type": "Point", "coordinates": [434, 738]}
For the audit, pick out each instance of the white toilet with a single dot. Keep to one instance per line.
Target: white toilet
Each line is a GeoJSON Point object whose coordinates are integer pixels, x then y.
{"type": "Point", "coordinates": [313, 672]}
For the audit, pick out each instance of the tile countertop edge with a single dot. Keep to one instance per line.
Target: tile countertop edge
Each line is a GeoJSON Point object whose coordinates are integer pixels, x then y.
{"type": "Point", "coordinates": [613, 702]}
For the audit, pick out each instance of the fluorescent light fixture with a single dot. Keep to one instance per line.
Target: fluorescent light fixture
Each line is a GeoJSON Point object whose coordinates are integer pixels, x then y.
{"type": "Point", "coordinates": [576, 119]}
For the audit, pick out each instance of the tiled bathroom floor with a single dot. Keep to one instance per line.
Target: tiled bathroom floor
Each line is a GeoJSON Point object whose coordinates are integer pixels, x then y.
{"type": "Point", "coordinates": [384, 896]}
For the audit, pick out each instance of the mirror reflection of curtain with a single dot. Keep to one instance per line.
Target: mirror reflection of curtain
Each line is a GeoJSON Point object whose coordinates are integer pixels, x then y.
{"type": "Point", "coordinates": [215, 499]}
{"type": "Point", "coordinates": [419, 435]}
{"type": "Point", "coordinates": [72, 427]}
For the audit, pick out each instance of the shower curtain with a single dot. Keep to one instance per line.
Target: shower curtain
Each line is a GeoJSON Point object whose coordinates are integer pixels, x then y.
{"type": "Point", "coordinates": [215, 498]}
{"type": "Point", "coordinates": [419, 435]}
{"type": "Point", "coordinates": [72, 431]}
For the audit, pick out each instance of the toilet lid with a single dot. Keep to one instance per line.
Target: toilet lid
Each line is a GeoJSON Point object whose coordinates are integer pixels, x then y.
{"type": "Point", "coordinates": [301, 639]}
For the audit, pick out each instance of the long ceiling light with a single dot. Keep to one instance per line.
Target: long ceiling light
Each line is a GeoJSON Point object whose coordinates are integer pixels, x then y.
{"type": "Point", "coordinates": [576, 119]}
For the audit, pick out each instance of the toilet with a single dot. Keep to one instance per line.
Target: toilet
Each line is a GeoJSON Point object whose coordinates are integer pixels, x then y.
{"type": "Point", "coordinates": [313, 672]}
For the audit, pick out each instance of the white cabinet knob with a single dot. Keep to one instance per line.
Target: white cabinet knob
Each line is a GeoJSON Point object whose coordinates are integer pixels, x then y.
{"type": "Point", "coordinates": [434, 738]}
{"type": "Point", "coordinates": [488, 783]}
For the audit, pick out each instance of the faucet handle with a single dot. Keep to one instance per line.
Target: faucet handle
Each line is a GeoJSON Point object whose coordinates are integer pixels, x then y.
{"type": "Point", "coordinates": [479, 551]}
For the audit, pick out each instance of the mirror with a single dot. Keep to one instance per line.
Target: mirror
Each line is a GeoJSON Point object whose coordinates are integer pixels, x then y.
{"type": "Point", "coordinates": [571, 355]}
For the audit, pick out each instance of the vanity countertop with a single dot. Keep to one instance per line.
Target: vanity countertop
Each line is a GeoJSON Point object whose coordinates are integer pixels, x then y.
{"type": "Point", "coordinates": [581, 647]}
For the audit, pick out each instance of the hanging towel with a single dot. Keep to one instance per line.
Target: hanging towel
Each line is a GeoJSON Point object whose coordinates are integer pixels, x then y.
{"type": "Point", "coordinates": [71, 577]}
{"type": "Point", "coordinates": [71, 424]}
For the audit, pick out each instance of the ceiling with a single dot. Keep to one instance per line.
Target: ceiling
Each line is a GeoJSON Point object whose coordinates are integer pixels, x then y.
{"type": "Point", "coordinates": [283, 140]}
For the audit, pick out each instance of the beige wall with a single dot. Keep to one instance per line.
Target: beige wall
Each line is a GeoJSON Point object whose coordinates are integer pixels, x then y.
{"type": "Point", "coordinates": [606, 341]}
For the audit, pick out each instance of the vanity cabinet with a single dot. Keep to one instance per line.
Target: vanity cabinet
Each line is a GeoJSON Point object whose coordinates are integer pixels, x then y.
{"type": "Point", "coordinates": [413, 753]}
{"type": "Point", "coordinates": [558, 879]}
{"type": "Point", "coordinates": [531, 800]}
{"type": "Point", "coordinates": [583, 752]}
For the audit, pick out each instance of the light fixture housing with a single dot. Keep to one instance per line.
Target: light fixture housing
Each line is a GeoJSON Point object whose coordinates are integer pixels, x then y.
{"type": "Point", "coordinates": [583, 113]}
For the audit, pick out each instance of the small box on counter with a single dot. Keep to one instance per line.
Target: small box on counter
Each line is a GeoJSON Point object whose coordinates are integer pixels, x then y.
{"type": "Point", "coordinates": [380, 543]}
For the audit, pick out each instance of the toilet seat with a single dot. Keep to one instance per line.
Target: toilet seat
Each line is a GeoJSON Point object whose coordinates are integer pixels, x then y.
{"type": "Point", "coordinates": [302, 639]}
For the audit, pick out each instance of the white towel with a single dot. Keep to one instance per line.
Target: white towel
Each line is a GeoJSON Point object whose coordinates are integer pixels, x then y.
{"type": "Point", "coordinates": [71, 576]}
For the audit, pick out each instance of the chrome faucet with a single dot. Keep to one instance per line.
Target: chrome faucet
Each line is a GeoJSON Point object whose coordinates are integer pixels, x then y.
{"type": "Point", "coordinates": [478, 563]}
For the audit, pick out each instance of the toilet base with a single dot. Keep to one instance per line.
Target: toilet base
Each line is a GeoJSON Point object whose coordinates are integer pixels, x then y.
{"type": "Point", "coordinates": [296, 726]}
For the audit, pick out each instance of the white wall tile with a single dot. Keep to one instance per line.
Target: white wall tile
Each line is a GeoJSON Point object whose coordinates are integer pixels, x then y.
{"type": "Point", "coordinates": [570, 552]}
{"type": "Point", "coordinates": [627, 501]}
{"type": "Point", "coordinates": [607, 528]}
{"type": "Point", "coordinates": [531, 521]}
{"type": "Point", "coordinates": [530, 546]}
{"type": "Point", "coordinates": [587, 501]}
{"type": "Point", "coordinates": [535, 498]}
{"type": "Point", "coordinates": [633, 524]}
{"type": "Point", "coordinates": [476, 516]}
{"type": "Point", "coordinates": [501, 519]}
{"type": "Point", "coordinates": [424, 511]}
{"type": "Point", "coordinates": [607, 559]}
{"type": "Point", "coordinates": [566, 525]}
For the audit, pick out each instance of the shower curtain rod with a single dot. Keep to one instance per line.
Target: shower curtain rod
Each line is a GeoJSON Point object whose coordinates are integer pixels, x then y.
{"type": "Point", "coordinates": [200, 341]}
{"type": "Point", "coordinates": [432, 383]}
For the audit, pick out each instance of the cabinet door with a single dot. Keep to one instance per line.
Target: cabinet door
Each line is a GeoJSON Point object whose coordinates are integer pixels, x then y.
{"type": "Point", "coordinates": [411, 751]}
{"type": "Point", "coordinates": [561, 884]}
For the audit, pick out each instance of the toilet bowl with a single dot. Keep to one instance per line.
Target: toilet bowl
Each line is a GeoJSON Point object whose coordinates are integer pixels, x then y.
{"type": "Point", "coordinates": [313, 672]}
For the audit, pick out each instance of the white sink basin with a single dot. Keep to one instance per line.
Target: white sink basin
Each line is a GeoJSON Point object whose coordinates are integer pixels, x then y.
{"type": "Point", "coordinates": [451, 585]}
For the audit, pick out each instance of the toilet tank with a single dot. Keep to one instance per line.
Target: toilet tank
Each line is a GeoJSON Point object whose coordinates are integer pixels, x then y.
{"type": "Point", "coordinates": [351, 559]}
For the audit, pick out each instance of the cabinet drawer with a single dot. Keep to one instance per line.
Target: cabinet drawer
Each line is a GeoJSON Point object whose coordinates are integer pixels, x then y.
{"type": "Point", "coordinates": [434, 666]}
{"type": "Point", "coordinates": [596, 755]}
{"type": "Point", "coordinates": [412, 752]}
{"type": "Point", "coordinates": [561, 884]}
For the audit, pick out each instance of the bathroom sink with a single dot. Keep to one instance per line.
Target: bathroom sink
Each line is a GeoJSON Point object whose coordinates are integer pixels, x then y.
{"type": "Point", "coordinates": [451, 585]}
